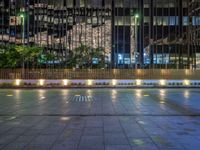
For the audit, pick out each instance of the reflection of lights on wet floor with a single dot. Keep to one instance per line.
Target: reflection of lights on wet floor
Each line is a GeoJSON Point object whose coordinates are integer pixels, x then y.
{"type": "Point", "coordinates": [64, 118]}
{"type": "Point", "coordinates": [138, 141]}
{"type": "Point", "coordinates": [141, 122]}
{"type": "Point", "coordinates": [43, 97]}
{"type": "Point", "coordinates": [65, 92]}
{"type": "Point", "coordinates": [146, 95]}
{"type": "Point", "coordinates": [11, 118]}
{"type": "Point", "coordinates": [162, 92]}
{"type": "Point", "coordinates": [89, 92]}
{"type": "Point", "coordinates": [186, 94]}
{"type": "Point", "coordinates": [114, 94]}
{"type": "Point", "coordinates": [41, 94]}
{"type": "Point", "coordinates": [9, 95]}
{"type": "Point", "coordinates": [139, 93]}
{"type": "Point", "coordinates": [162, 102]}
{"type": "Point", "coordinates": [17, 94]}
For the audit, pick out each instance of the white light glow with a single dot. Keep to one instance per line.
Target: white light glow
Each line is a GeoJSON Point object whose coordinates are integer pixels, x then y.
{"type": "Point", "coordinates": [65, 82]}
{"type": "Point", "coordinates": [186, 94]}
{"type": "Point", "coordinates": [64, 118]}
{"type": "Point", "coordinates": [138, 93]}
{"type": "Point", "coordinates": [89, 82]}
{"type": "Point", "coordinates": [162, 82]}
{"type": "Point", "coordinates": [186, 82]}
{"type": "Point", "coordinates": [114, 82]}
{"type": "Point", "coordinates": [138, 82]}
{"type": "Point", "coordinates": [17, 82]}
{"type": "Point", "coordinates": [41, 82]}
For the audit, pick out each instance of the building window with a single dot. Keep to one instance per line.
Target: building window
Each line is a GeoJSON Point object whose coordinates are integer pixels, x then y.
{"type": "Point", "coordinates": [185, 21]}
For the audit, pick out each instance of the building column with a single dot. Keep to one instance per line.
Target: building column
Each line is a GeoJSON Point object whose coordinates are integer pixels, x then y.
{"type": "Point", "coordinates": [141, 32]}
{"type": "Point", "coordinates": [151, 33]}
{"type": "Point", "coordinates": [113, 59]}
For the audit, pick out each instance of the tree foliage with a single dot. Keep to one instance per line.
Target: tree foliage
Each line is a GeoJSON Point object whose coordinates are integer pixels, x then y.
{"type": "Point", "coordinates": [14, 56]}
{"type": "Point", "coordinates": [84, 57]}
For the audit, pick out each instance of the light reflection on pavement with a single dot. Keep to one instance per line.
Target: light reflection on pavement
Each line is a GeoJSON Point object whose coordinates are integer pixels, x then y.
{"type": "Point", "coordinates": [100, 119]}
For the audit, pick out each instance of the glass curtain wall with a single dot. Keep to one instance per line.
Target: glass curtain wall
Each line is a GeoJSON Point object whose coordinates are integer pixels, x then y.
{"type": "Point", "coordinates": [147, 34]}
{"type": "Point", "coordinates": [194, 32]}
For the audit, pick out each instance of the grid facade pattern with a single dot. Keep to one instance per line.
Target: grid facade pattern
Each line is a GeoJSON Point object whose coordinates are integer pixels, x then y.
{"type": "Point", "coordinates": [194, 32]}
{"type": "Point", "coordinates": [150, 34]}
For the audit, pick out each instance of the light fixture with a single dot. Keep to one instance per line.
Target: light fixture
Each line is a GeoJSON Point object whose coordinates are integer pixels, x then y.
{"type": "Point", "coordinates": [41, 82]}
{"type": "Point", "coordinates": [136, 15]}
{"type": "Point", "coordinates": [21, 15]}
{"type": "Point", "coordinates": [186, 82]}
{"type": "Point", "coordinates": [162, 82]}
{"type": "Point", "coordinates": [17, 82]}
{"type": "Point", "coordinates": [65, 82]}
{"type": "Point", "coordinates": [138, 82]}
{"type": "Point", "coordinates": [89, 82]}
{"type": "Point", "coordinates": [114, 82]}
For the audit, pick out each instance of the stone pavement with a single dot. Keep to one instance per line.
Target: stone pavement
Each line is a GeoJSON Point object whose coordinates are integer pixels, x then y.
{"type": "Point", "coordinates": [100, 119]}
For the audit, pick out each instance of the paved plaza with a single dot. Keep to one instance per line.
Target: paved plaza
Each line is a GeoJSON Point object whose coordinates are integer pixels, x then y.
{"type": "Point", "coordinates": [100, 119]}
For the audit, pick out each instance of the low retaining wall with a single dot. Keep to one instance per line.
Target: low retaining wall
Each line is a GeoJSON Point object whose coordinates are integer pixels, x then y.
{"type": "Point", "coordinates": [18, 83]}
{"type": "Point", "coordinates": [95, 74]}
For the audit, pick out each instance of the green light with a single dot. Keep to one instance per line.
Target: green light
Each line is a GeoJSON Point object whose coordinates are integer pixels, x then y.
{"type": "Point", "coordinates": [21, 15]}
{"type": "Point", "coordinates": [136, 16]}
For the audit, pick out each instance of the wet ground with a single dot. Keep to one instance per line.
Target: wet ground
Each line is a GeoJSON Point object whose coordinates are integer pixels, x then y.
{"type": "Point", "coordinates": [100, 119]}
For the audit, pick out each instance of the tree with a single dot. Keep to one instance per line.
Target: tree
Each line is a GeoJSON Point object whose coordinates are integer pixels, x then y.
{"type": "Point", "coordinates": [13, 56]}
{"type": "Point", "coordinates": [9, 57]}
{"type": "Point", "coordinates": [84, 57]}
{"type": "Point", "coordinates": [29, 54]}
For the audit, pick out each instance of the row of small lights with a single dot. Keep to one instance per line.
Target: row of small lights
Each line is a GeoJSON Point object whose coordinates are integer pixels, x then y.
{"type": "Point", "coordinates": [41, 82]}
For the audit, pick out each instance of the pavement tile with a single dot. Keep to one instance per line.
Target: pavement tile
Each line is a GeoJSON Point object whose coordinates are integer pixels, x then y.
{"type": "Point", "coordinates": [118, 119]}
{"type": "Point", "coordinates": [118, 147]}
{"type": "Point", "coordinates": [115, 139]}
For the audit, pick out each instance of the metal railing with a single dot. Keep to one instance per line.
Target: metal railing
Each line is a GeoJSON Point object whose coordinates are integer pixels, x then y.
{"type": "Point", "coordinates": [99, 74]}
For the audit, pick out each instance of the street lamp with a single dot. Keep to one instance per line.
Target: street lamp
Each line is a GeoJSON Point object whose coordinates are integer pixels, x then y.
{"type": "Point", "coordinates": [22, 16]}
{"type": "Point", "coordinates": [23, 25]}
{"type": "Point", "coordinates": [137, 16]}
{"type": "Point", "coordinates": [136, 20]}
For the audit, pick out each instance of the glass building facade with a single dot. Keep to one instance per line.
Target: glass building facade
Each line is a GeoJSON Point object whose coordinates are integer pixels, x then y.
{"type": "Point", "coordinates": [194, 31]}
{"type": "Point", "coordinates": [148, 34]}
